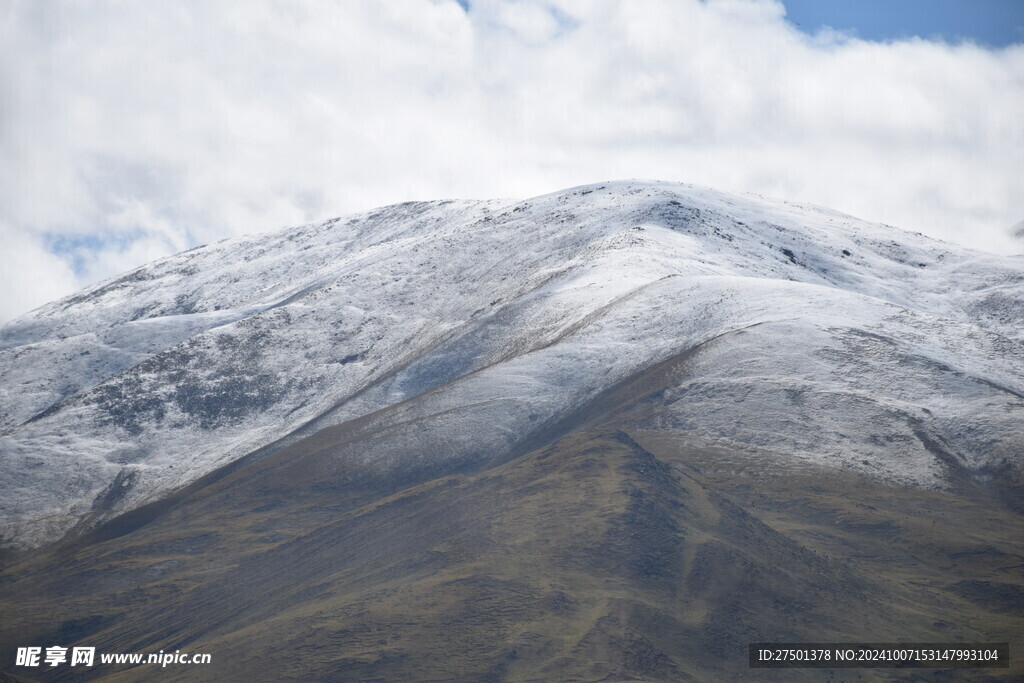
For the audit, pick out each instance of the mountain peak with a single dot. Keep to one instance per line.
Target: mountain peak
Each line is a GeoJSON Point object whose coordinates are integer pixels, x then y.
{"type": "Point", "coordinates": [458, 332]}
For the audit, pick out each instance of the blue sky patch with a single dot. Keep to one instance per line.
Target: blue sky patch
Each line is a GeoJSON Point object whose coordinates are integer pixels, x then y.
{"type": "Point", "coordinates": [78, 249]}
{"type": "Point", "coordinates": [993, 23]}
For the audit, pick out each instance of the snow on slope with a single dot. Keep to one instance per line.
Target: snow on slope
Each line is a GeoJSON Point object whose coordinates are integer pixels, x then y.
{"type": "Point", "coordinates": [823, 338]}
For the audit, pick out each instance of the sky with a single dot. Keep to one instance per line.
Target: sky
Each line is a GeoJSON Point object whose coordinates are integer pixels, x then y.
{"type": "Point", "coordinates": [993, 23]}
{"type": "Point", "coordinates": [130, 131]}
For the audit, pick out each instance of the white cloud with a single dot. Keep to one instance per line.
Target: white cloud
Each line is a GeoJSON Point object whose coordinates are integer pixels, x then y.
{"type": "Point", "coordinates": [161, 125]}
{"type": "Point", "coordinates": [30, 275]}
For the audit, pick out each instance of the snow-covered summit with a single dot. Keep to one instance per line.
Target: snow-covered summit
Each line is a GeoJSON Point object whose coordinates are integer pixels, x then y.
{"type": "Point", "coordinates": [458, 330]}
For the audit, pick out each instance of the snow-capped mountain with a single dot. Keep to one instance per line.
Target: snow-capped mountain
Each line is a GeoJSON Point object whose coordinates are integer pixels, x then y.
{"type": "Point", "coordinates": [457, 332]}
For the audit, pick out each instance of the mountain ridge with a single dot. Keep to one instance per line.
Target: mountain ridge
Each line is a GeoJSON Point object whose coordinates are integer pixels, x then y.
{"type": "Point", "coordinates": [506, 317]}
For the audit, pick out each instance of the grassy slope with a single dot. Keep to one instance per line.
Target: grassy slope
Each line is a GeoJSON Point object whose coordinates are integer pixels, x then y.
{"type": "Point", "coordinates": [594, 558]}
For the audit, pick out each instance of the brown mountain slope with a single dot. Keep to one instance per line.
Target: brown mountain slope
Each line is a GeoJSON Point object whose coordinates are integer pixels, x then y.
{"type": "Point", "coordinates": [594, 558]}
